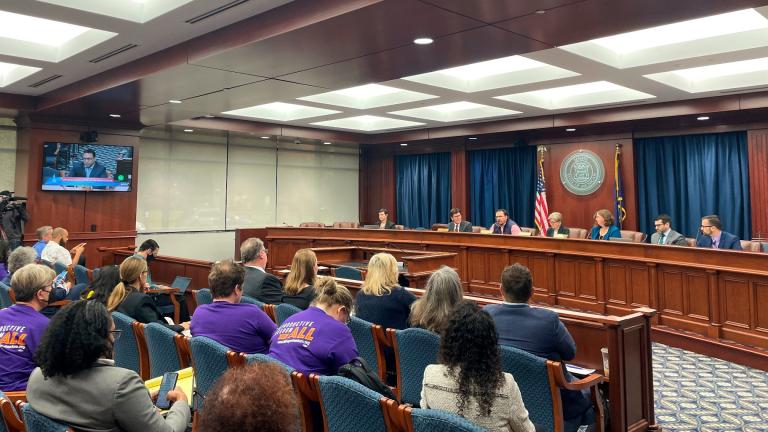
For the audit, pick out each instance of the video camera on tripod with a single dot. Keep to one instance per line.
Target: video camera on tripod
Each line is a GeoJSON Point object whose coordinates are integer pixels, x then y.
{"type": "Point", "coordinates": [9, 201]}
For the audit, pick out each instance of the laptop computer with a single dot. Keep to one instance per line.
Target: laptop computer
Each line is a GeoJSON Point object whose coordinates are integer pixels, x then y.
{"type": "Point", "coordinates": [181, 283]}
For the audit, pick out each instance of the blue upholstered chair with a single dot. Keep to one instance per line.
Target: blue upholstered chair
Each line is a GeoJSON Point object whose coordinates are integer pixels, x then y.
{"type": "Point", "coordinates": [261, 358]}
{"type": "Point", "coordinates": [161, 348]}
{"type": "Point", "coordinates": [204, 296]}
{"type": "Point", "coordinates": [285, 310]}
{"type": "Point", "coordinates": [349, 406]}
{"type": "Point", "coordinates": [251, 300]}
{"type": "Point", "coordinates": [429, 420]}
{"type": "Point", "coordinates": [36, 422]}
{"type": "Point", "coordinates": [5, 296]}
{"type": "Point", "coordinates": [362, 331]}
{"type": "Point", "coordinates": [210, 362]}
{"type": "Point", "coordinates": [415, 349]}
{"type": "Point", "coordinates": [81, 275]}
{"type": "Point", "coordinates": [126, 348]}
{"type": "Point", "coordinates": [59, 268]}
{"type": "Point", "coordinates": [348, 273]}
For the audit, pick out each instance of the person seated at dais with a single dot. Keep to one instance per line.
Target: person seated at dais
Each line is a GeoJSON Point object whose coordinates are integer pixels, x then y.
{"type": "Point", "coordinates": [556, 227]}
{"type": "Point", "coordinates": [504, 225]}
{"type": "Point", "coordinates": [664, 234]}
{"type": "Point", "coordinates": [457, 224]}
{"type": "Point", "coordinates": [714, 237]}
{"type": "Point", "coordinates": [384, 222]}
{"type": "Point", "coordinates": [604, 228]}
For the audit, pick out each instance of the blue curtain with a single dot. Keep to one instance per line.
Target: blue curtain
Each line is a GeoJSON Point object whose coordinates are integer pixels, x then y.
{"type": "Point", "coordinates": [502, 178]}
{"type": "Point", "coordinates": [423, 189]}
{"type": "Point", "coordinates": [691, 176]}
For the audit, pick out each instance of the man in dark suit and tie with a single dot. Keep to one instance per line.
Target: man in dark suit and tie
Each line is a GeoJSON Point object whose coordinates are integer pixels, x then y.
{"type": "Point", "coordinates": [264, 287]}
{"type": "Point", "coordinates": [89, 168]}
{"type": "Point", "coordinates": [664, 234]}
{"type": "Point", "coordinates": [714, 237]}
{"type": "Point", "coordinates": [458, 225]}
{"type": "Point", "coordinates": [541, 333]}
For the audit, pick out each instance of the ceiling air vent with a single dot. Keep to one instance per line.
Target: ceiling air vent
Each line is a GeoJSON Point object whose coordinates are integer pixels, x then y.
{"type": "Point", "coordinates": [45, 81]}
{"type": "Point", "coordinates": [218, 10]}
{"type": "Point", "coordinates": [113, 53]}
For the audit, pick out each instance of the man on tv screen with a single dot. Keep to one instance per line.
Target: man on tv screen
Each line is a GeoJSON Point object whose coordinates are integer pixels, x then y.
{"type": "Point", "coordinates": [89, 167]}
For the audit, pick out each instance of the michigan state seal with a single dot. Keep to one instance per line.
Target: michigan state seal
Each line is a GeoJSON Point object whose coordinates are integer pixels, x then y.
{"type": "Point", "coordinates": [582, 172]}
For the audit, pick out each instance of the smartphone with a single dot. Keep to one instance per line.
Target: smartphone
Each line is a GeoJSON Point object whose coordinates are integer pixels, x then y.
{"type": "Point", "coordinates": [168, 384]}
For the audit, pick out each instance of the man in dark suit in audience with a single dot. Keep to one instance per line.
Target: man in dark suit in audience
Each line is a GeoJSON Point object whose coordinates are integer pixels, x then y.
{"type": "Point", "coordinates": [264, 287]}
{"type": "Point", "coordinates": [458, 225]}
{"type": "Point", "coordinates": [714, 237]}
{"type": "Point", "coordinates": [539, 332]}
{"type": "Point", "coordinates": [664, 234]}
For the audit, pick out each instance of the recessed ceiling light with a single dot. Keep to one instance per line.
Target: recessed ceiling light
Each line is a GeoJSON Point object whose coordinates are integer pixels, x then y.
{"type": "Point", "coordinates": [403, 144]}
{"type": "Point", "coordinates": [189, 130]}
{"type": "Point", "coordinates": [281, 111]}
{"type": "Point", "coordinates": [716, 77]}
{"type": "Point", "coordinates": [327, 142]}
{"type": "Point", "coordinates": [209, 116]}
{"type": "Point", "coordinates": [472, 138]}
{"type": "Point", "coordinates": [38, 30]}
{"type": "Point", "coordinates": [10, 73]}
{"type": "Point", "coordinates": [115, 115]}
{"type": "Point", "coordinates": [367, 96]}
{"type": "Point", "coordinates": [455, 111]}
{"type": "Point", "coordinates": [176, 101]}
{"type": "Point", "coordinates": [541, 12]}
{"type": "Point", "coordinates": [578, 95]}
{"type": "Point", "coordinates": [702, 118]}
{"type": "Point", "coordinates": [265, 137]}
{"type": "Point", "coordinates": [423, 41]}
{"type": "Point", "coordinates": [368, 123]}
{"type": "Point", "coordinates": [571, 130]}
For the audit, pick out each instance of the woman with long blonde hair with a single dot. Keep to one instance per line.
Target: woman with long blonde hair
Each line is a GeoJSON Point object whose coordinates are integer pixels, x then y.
{"type": "Point", "coordinates": [129, 298]}
{"type": "Point", "coordinates": [382, 301]}
{"type": "Point", "coordinates": [299, 286]}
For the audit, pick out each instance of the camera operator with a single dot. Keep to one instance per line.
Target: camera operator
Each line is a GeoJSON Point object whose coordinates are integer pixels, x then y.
{"type": "Point", "coordinates": [13, 214]}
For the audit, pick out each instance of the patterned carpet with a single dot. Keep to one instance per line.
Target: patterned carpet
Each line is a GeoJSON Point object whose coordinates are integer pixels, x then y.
{"type": "Point", "coordinates": [699, 393]}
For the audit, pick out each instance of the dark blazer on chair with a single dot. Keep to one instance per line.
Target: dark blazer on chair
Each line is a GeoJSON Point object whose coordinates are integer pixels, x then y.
{"type": "Point", "coordinates": [262, 286]}
{"type": "Point", "coordinates": [143, 309]}
{"type": "Point", "coordinates": [562, 230]}
{"type": "Point", "coordinates": [727, 241]}
{"type": "Point", "coordinates": [464, 226]}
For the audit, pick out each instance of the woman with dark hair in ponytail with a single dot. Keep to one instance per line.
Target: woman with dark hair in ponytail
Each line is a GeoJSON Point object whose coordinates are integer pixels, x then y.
{"type": "Point", "coordinates": [318, 340]}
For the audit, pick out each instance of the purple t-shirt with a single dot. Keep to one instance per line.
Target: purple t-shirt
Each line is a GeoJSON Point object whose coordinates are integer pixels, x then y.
{"type": "Point", "coordinates": [241, 327]}
{"type": "Point", "coordinates": [313, 342]}
{"type": "Point", "coordinates": [21, 329]}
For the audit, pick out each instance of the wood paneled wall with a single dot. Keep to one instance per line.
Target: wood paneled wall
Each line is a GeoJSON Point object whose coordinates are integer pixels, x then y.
{"type": "Point", "coordinates": [757, 143]}
{"type": "Point", "coordinates": [99, 218]}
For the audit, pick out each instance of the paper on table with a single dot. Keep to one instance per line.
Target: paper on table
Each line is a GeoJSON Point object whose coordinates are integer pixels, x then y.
{"type": "Point", "coordinates": [578, 370]}
{"type": "Point", "coordinates": [185, 381]}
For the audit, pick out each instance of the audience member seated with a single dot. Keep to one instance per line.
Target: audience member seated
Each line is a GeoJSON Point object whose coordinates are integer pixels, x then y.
{"type": "Point", "coordinates": [433, 309]}
{"type": "Point", "coordinates": [241, 327]}
{"type": "Point", "coordinates": [541, 333]}
{"type": "Point", "coordinates": [504, 225]}
{"type": "Point", "coordinates": [149, 250]}
{"type": "Point", "coordinates": [604, 228]}
{"type": "Point", "coordinates": [264, 287]}
{"type": "Point", "coordinates": [260, 395]}
{"type": "Point", "coordinates": [714, 237]}
{"type": "Point", "coordinates": [556, 226]}
{"type": "Point", "coordinates": [4, 251]}
{"type": "Point", "coordinates": [382, 301]}
{"type": "Point", "coordinates": [44, 235]}
{"type": "Point", "coordinates": [78, 384]}
{"type": "Point", "coordinates": [103, 284]}
{"type": "Point", "coordinates": [55, 251]}
{"type": "Point", "coordinates": [128, 296]}
{"type": "Point", "coordinates": [469, 380]}
{"type": "Point", "coordinates": [22, 325]}
{"type": "Point", "coordinates": [20, 257]}
{"type": "Point", "coordinates": [384, 222]}
{"type": "Point", "coordinates": [300, 284]}
{"type": "Point", "coordinates": [318, 340]}
{"type": "Point", "coordinates": [457, 224]}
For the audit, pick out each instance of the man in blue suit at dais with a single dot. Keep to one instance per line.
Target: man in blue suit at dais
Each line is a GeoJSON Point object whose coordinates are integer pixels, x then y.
{"type": "Point", "coordinates": [539, 332]}
{"type": "Point", "coordinates": [714, 237]}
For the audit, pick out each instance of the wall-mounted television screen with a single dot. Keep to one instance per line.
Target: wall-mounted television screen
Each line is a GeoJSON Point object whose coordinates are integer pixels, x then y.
{"type": "Point", "coordinates": [87, 167]}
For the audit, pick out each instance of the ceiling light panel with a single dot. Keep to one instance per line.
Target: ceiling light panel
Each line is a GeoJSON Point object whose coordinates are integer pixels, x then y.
{"type": "Point", "coordinates": [367, 123]}
{"type": "Point", "coordinates": [456, 111]}
{"type": "Point", "coordinates": [43, 39]}
{"type": "Point", "coordinates": [579, 95]}
{"type": "Point", "coordinates": [368, 96]}
{"type": "Point", "coordinates": [725, 76]}
{"type": "Point", "coordinates": [717, 34]}
{"type": "Point", "coordinates": [280, 111]}
{"type": "Point", "coordinates": [10, 73]}
{"type": "Point", "coordinates": [492, 74]}
{"type": "Point", "coordinates": [139, 11]}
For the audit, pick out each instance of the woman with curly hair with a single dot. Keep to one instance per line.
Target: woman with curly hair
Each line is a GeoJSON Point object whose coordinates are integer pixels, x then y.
{"type": "Point", "coordinates": [469, 380]}
{"type": "Point", "coordinates": [78, 384]}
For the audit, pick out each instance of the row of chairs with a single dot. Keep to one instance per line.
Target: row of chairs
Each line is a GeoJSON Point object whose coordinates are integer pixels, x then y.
{"type": "Point", "coordinates": [18, 416]}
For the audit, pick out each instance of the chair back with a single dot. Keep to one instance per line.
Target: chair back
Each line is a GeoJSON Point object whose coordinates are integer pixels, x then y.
{"type": "Point", "coordinates": [126, 347]}
{"type": "Point", "coordinates": [251, 300]}
{"type": "Point", "coordinates": [36, 422]}
{"type": "Point", "coordinates": [691, 241]}
{"type": "Point", "coordinates": [163, 356]}
{"type": "Point", "coordinates": [285, 310]}
{"type": "Point", "coordinates": [634, 236]}
{"type": "Point", "coordinates": [345, 272]}
{"type": "Point", "coordinates": [400, 227]}
{"type": "Point", "coordinates": [415, 349]}
{"type": "Point", "coordinates": [209, 360]}
{"type": "Point", "coordinates": [577, 233]}
{"type": "Point", "coordinates": [477, 229]}
{"type": "Point", "coordinates": [5, 296]}
{"type": "Point", "coordinates": [438, 226]}
{"type": "Point", "coordinates": [362, 331]}
{"type": "Point", "coordinates": [750, 246]}
{"type": "Point", "coordinates": [81, 275]}
{"type": "Point", "coordinates": [261, 358]}
{"type": "Point", "coordinates": [532, 378]}
{"type": "Point", "coordinates": [59, 268]}
{"type": "Point", "coordinates": [311, 225]}
{"type": "Point", "coordinates": [428, 420]}
{"type": "Point", "coordinates": [349, 406]}
{"type": "Point", "coordinates": [346, 224]}
{"type": "Point", "coordinates": [203, 296]}
{"type": "Point", "coordinates": [10, 418]}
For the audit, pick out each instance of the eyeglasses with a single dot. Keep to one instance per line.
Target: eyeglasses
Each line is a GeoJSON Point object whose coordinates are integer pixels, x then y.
{"type": "Point", "coordinates": [116, 334]}
{"type": "Point", "coordinates": [707, 226]}
{"type": "Point", "coordinates": [658, 225]}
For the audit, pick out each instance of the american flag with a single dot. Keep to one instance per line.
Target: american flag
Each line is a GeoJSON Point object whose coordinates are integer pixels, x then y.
{"type": "Point", "coordinates": [542, 210]}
